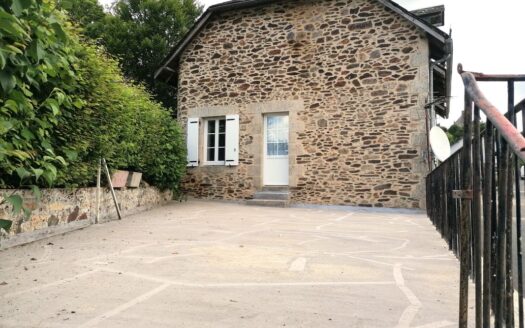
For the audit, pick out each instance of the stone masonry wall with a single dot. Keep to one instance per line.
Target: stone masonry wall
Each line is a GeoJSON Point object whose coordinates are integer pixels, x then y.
{"type": "Point", "coordinates": [352, 74]}
{"type": "Point", "coordinates": [61, 210]}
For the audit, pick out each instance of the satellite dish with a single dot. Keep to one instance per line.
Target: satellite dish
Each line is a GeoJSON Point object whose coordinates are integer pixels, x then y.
{"type": "Point", "coordinates": [439, 143]}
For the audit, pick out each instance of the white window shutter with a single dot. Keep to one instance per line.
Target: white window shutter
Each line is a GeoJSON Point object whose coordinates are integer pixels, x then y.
{"type": "Point", "coordinates": [232, 140]}
{"type": "Point", "coordinates": [192, 141]}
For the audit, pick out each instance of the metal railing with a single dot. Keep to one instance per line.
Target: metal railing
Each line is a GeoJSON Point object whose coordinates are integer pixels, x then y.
{"type": "Point", "coordinates": [474, 200]}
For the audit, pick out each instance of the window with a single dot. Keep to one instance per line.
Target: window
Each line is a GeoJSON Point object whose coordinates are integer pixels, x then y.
{"type": "Point", "coordinates": [220, 145]}
{"type": "Point", "coordinates": [215, 136]}
{"type": "Point", "coordinates": [277, 136]}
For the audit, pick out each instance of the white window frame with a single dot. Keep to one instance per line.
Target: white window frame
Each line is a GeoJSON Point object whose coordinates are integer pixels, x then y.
{"type": "Point", "coordinates": [207, 121]}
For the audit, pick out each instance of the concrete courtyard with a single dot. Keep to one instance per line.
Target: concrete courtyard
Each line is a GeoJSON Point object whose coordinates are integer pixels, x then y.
{"type": "Point", "coordinates": [214, 264]}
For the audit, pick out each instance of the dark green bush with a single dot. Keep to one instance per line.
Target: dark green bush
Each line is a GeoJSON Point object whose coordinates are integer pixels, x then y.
{"type": "Point", "coordinates": [163, 151]}
{"type": "Point", "coordinates": [120, 122]}
{"type": "Point", "coordinates": [64, 104]}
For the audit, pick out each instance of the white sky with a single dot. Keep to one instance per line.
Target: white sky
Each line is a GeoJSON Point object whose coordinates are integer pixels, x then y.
{"type": "Point", "coordinates": [486, 37]}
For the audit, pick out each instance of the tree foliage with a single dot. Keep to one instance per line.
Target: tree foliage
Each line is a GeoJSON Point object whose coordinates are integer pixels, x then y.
{"type": "Point", "coordinates": [120, 122]}
{"type": "Point", "coordinates": [455, 132]}
{"type": "Point", "coordinates": [37, 84]}
{"type": "Point", "coordinates": [88, 14]}
{"type": "Point", "coordinates": [141, 33]}
{"type": "Point", "coordinates": [64, 103]}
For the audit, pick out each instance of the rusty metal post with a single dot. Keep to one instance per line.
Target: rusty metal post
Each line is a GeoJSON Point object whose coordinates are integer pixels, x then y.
{"type": "Point", "coordinates": [500, 289]}
{"type": "Point", "coordinates": [508, 232]}
{"type": "Point", "coordinates": [457, 184]}
{"type": "Point", "coordinates": [476, 215]}
{"type": "Point", "coordinates": [509, 282]}
{"type": "Point", "coordinates": [464, 231]}
{"type": "Point", "coordinates": [494, 215]}
{"type": "Point", "coordinates": [487, 220]}
{"type": "Point", "coordinates": [518, 228]}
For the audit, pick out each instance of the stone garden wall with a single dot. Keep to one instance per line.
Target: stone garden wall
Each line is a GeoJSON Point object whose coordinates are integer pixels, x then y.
{"type": "Point", "coordinates": [352, 74]}
{"type": "Point", "coordinates": [62, 210]}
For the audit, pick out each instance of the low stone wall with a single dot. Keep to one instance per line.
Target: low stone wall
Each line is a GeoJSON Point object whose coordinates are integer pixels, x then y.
{"type": "Point", "coordinates": [62, 210]}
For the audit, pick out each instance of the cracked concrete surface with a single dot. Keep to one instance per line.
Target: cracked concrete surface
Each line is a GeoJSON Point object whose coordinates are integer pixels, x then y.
{"type": "Point", "coordinates": [213, 264]}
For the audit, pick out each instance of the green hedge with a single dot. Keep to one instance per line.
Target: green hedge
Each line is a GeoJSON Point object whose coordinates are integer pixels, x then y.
{"type": "Point", "coordinates": [64, 104]}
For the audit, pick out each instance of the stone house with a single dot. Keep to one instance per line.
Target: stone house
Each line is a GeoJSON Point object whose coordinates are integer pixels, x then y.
{"type": "Point", "coordinates": [331, 100]}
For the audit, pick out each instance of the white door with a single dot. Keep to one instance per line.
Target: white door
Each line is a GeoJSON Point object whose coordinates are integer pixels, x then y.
{"type": "Point", "coordinates": [275, 150]}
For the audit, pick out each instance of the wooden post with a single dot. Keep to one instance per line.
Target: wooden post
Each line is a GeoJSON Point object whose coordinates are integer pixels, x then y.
{"type": "Point", "coordinates": [111, 188]}
{"type": "Point", "coordinates": [99, 168]}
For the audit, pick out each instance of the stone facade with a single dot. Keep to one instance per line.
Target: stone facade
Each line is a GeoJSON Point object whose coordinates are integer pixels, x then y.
{"type": "Point", "coordinates": [61, 210]}
{"type": "Point", "coordinates": [353, 77]}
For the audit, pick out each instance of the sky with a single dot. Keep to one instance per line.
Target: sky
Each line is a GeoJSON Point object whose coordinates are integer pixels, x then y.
{"type": "Point", "coordinates": [487, 39]}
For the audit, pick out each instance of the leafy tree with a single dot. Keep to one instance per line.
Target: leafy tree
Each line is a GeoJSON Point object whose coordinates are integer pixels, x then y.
{"type": "Point", "coordinates": [88, 14]}
{"type": "Point", "coordinates": [455, 132]}
{"type": "Point", "coordinates": [141, 33]}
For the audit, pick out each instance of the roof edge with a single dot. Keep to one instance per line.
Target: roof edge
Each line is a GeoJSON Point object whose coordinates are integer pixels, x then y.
{"type": "Point", "coordinates": [433, 31]}
{"type": "Point", "coordinates": [430, 29]}
{"type": "Point", "coordinates": [199, 24]}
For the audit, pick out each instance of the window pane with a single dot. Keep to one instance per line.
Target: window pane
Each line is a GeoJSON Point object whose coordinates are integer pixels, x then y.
{"type": "Point", "coordinates": [271, 136]}
{"type": "Point", "coordinates": [211, 155]}
{"type": "Point", "coordinates": [272, 149]}
{"type": "Point", "coordinates": [277, 122]}
{"type": "Point", "coordinates": [211, 126]}
{"type": "Point", "coordinates": [222, 155]}
{"type": "Point", "coordinates": [271, 122]}
{"type": "Point", "coordinates": [282, 136]}
{"type": "Point", "coordinates": [222, 140]}
{"type": "Point", "coordinates": [211, 140]}
{"type": "Point", "coordinates": [283, 149]}
{"type": "Point", "coordinates": [222, 126]}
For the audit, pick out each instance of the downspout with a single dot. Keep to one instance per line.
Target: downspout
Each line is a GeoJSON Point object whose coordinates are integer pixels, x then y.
{"type": "Point", "coordinates": [428, 113]}
{"type": "Point", "coordinates": [449, 47]}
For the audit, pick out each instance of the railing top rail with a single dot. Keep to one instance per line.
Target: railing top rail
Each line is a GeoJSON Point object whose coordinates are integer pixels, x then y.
{"type": "Point", "coordinates": [507, 130]}
{"type": "Point", "coordinates": [480, 77]}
